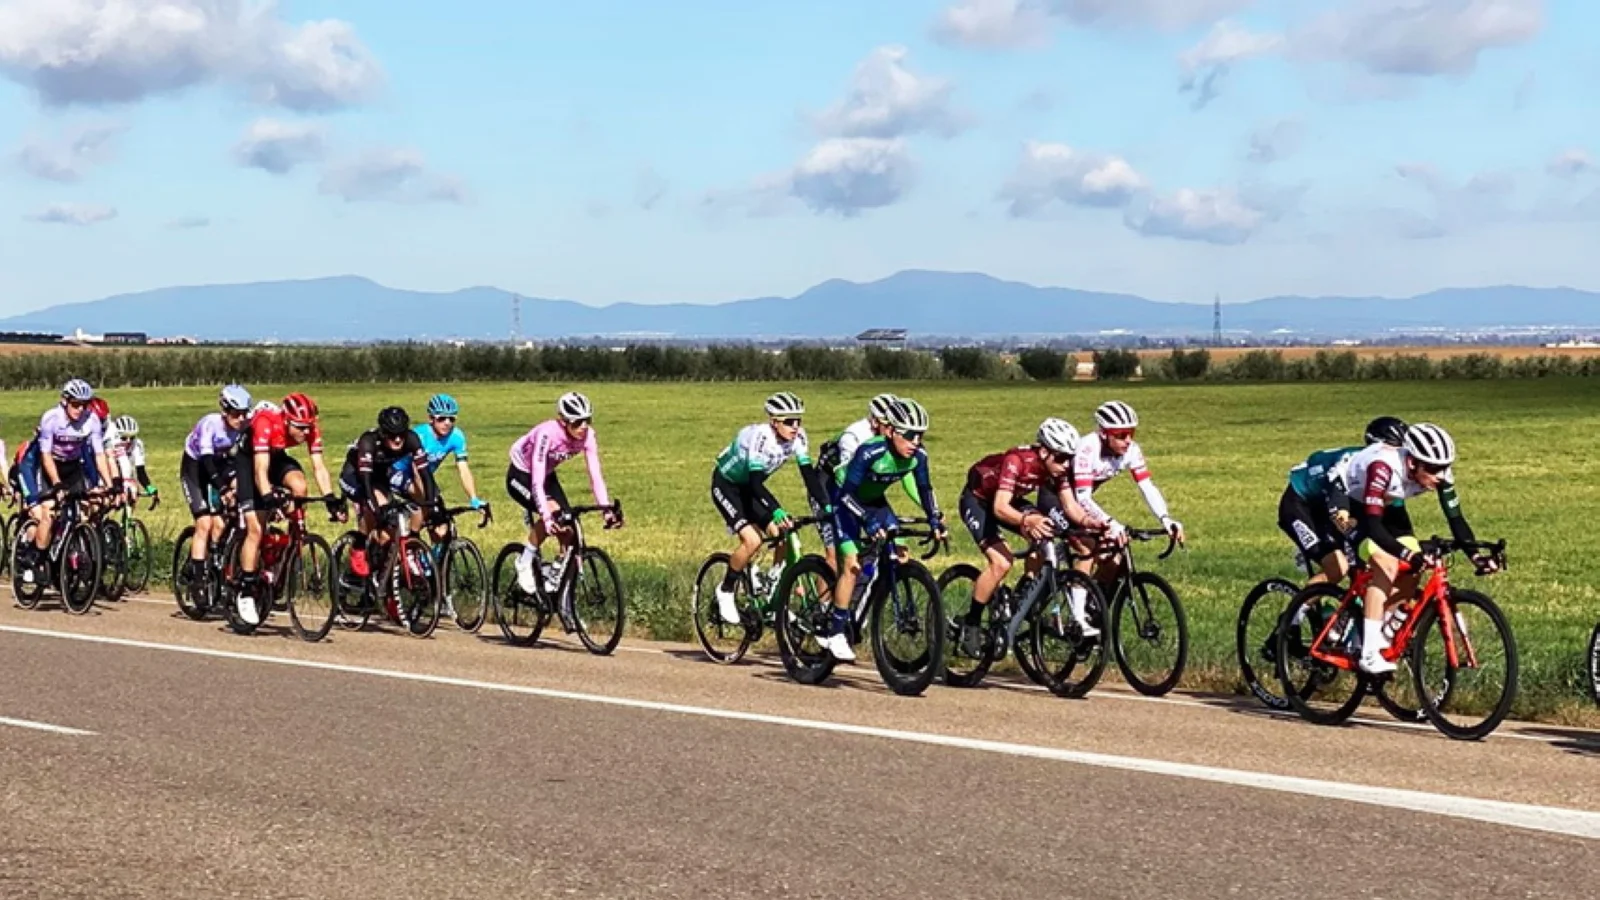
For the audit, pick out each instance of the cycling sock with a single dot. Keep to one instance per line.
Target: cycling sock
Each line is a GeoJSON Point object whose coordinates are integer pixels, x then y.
{"type": "Point", "coordinates": [528, 553]}
{"type": "Point", "coordinates": [840, 621]}
{"type": "Point", "coordinates": [1371, 637]}
{"type": "Point", "coordinates": [1078, 597]}
{"type": "Point", "coordinates": [975, 613]}
{"type": "Point", "coordinates": [730, 580]}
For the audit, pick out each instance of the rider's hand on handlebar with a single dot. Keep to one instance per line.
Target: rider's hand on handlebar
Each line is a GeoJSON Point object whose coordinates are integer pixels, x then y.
{"type": "Point", "coordinates": [1485, 563]}
{"type": "Point", "coordinates": [1173, 527]}
{"type": "Point", "coordinates": [612, 520]}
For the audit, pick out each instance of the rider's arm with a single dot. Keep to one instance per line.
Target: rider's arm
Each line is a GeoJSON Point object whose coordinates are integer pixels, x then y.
{"type": "Point", "coordinates": [1147, 486]}
{"type": "Point", "coordinates": [422, 473]}
{"type": "Point", "coordinates": [5, 462]}
{"type": "Point", "coordinates": [1450, 502]}
{"type": "Point", "coordinates": [538, 470]}
{"type": "Point", "coordinates": [1374, 501]}
{"type": "Point", "coordinates": [816, 490]}
{"type": "Point", "coordinates": [366, 449]}
{"type": "Point", "coordinates": [930, 504]}
{"type": "Point", "coordinates": [591, 458]}
{"type": "Point", "coordinates": [462, 469]}
{"type": "Point", "coordinates": [855, 475]}
{"type": "Point", "coordinates": [136, 458]}
{"type": "Point", "coordinates": [1074, 511]}
{"type": "Point", "coordinates": [1083, 483]}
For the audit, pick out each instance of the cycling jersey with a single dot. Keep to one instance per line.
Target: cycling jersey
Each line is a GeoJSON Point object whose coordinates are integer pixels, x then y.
{"type": "Point", "coordinates": [1018, 470]}
{"type": "Point", "coordinates": [757, 450]}
{"type": "Point", "coordinates": [211, 436]}
{"type": "Point", "coordinates": [845, 446]}
{"type": "Point", "coordinates": [371, 455]}
{"type": "Point", "coordinates": [64, 438]}
{"type": "Point", "coordinates": [867, 478]}
{"type": "Point", "coordinates": [269, 432]}
{"type": "Point", "coordinates": [548, 445]}
{"type": "Point", "coordinates": [1094, 466]}
{"type": "Point", "coordinates": [437, 448]}
{"type": "Point", "coordinates": [1379, 480]}
{"type": "Point", "coordinates": [1322, 477]}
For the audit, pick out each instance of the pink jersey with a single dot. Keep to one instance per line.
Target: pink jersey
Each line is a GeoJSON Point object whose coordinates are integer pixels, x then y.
{"type": "Point", "coordinates": [548, 445]}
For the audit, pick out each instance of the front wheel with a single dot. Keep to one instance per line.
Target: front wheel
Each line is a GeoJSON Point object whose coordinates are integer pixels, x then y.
{"type": "Point", "coordinates": [724, 642]}
{"type": "Point", "coordinates": [1069, 664]}
{"type": "Point", "coordinates": [1149, 634]}
{"type": "Point", "coordinates": [908, 631]}
{"type": "Point", "coordinates": [308, 586]}
{"type": "Point", "coordinates": [802, 609]}
{"type": "Point", "coordinates": [1256, 639]}
{"type": "Point", "coordinates": [597, 602]}
{"type": "Point", "coordinates": [27, 583]}
{"type": "Point", "coordinates": [80, 568]}
{"type": "Point", "coordinates": [1465, 666]}
{"type": "Point", "coordinates": [466, 584]}
{"type": "Point", "coordinates": [418, 599]}
{"type": "Point", "coordinates": [1594, 664]}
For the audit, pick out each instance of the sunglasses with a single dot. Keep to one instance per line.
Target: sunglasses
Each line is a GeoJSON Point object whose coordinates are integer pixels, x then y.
{"type": "Point", "coordinates": [1061, 459]}
{"type": "Point", "coordinates": [302, 426]}
{"type": "Point", "coordinates": [450, 420]}
{"type": "Point", "coordinates": [792, 423]}
{"type": "Point", "coordinates": [578, 423]}
{"type": "Point", "coordinates": [76, 404]}
{"type": "Point", "coordinates": [914, 437]}
{"type": "Point", "coordinates": [1120, 434]}
{"type": "Point", "coordinates": [1431, 468]}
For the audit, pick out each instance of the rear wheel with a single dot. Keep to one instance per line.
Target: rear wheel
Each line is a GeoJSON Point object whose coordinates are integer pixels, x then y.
{"type": "Point", "coordinates": [349, 589]}
{"type": "Point", "coordinates": [1482, 681]}
{"type": "Point", "coordinates": [79, 576]}
{"type": "Point", "coordinates": [113, 559]}
{"type": "Point", "coordinates": [908, 631]}
{"type": "Point", "coordinates": [723, 642]}
{"type": "Point", "coordinates": [1256, 639]}
{"type": "Point", "coordinates": [1149, 634]}
{"type": "Point", "coordinates": [228, 589]}
{"type": "Point", "coordinates": [308, 586]}
{"type": "Point", "coordinates": [597, 602]}
{"type": "Point", "coordinates": [522, 616]}
{"type": "Point", "coordinates": [1319, 691]}
{"type": "Point", "coordinates": [138, 558]}
{"type": "Point", "coordinates": [802, 608]}
{"type": "Point", "coordinates": [188, 594]}
{"type": "Point", "coordinates": [1594, 664]}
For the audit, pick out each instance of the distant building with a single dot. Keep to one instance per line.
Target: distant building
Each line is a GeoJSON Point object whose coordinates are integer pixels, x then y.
{"type": "Point", "coordinates": [126, 337]}
{"type": "Point", "coordinates": [887, 338]}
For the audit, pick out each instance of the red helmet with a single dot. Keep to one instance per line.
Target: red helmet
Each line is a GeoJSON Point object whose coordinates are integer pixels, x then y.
{"type": "Point", "coordinates": [100, 408]}
{"type": "Point", "coordinates": [300, 409]}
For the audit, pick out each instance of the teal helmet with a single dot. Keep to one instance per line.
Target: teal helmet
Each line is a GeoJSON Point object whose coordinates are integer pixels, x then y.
{"type": "Point", "coordinates": [443, 405]}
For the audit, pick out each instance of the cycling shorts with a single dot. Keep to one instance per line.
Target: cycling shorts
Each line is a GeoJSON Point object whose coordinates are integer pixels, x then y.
{"type": "Point", "coordinates": [984, 526]}
{"type": "Point", "coordinates": [202, 498]}
{"type": "Point", "coordinates": [1310, 527]}
{"type": "Point", "coordinates": [739, 505]}
{"type": "Point", "coordinates": [519, 485]}
{"type": "Point", "coordinates": [253, 496]}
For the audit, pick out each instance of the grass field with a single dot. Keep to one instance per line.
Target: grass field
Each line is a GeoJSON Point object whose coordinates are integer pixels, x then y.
{"type": "Point", "coordinates": [1529, 472]}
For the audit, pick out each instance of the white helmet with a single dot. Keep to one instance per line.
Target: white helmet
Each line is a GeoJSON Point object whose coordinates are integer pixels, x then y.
{"type": "Point", "coordinates": [908, 415]}
{"type": "Point", "coordinates": [265, 406]}
{"type": "Point", "coordinates": [1058, 436]}
{"type": "Point", "coordinates": [784, 405]}
{"type": "Point", "coordinates": [879, 407]}
{"type": "Point", "coordinates": [1430, 444]}
{"type": "Point", "coordinates": [573, 407]}
{"type": "Point", "coordinates": [234, 398]}
{"type": "Point", "coordinates": [77, 389]}
{"type": "Point", "coordinates": [127, 426]}
{"type": "Point", "coordinates": [1116, 414]}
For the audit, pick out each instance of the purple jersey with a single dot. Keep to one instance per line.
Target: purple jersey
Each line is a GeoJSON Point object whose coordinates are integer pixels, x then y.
{"type": "Point", "coordinates": [211, 437]}
{"type": "Point", "coordinates": [64, 438]}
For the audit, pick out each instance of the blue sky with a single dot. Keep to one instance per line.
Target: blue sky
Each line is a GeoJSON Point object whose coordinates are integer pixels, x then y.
{"type": "Point", "coordinates": [706, 151]}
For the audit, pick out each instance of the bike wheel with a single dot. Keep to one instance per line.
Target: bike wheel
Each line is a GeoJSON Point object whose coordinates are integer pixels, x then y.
{"type": "Point", "coordinates": [28, 592]}
{"type": "Point", "coordinates": [140, 561]}
{"type": "Point", "coordinates": [8, 527]}
{"type": "Point", "coordinates": [522, 617]}
{"type": "Point", "coordinates": [1483, 680]}
{"type": "Point", "coordinates": [183, 589]}
{"type": "Point", "coordinates": [1069, 663]}
{"type": "Point", "coordinates": [1397, 694]}
{"type": "Point", "coordinates": [466, 584]}
{"type": "Point", "coordinates": [349, 589]}
{"type": "Point", "coordinates": [908, 631]}
{"type": "Point", "coordinates": [801, 608]}
{"type": "Point", "coordinates": [598, 606]}
{"type": "Point", "coordinates": [113, 559]}
{"type": "Point", "coordinates": [308, 589]}
{"type": "Point", "coordinates": [78, 577]}
{"type": "Point", "coordinates": [1594, 664]}
{"type": "Point", "coordinates": [1318, 691]}
{"type": "Point", "coordinates": [1149, 634]}
{"type": "Point", "coordinates": [419, 596]}
{"type": "Point", "coordinates": [227, 589]}
{"type": "Point", "coordinates": [1256, 639]}
{"type": "Point", "coordinates": [723, 642]}
{"type": "Point", "coordinates": [955, 590]}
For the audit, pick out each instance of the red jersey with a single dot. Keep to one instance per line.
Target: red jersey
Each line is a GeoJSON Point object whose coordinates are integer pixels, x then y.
{"type": "Point", "coordinates": [269, 430]}
{"type": "Point", "coordinates": [1018, 470]}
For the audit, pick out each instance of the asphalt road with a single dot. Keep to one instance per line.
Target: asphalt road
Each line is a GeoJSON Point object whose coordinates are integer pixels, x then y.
{"type": "Point", "coordinates": [195, 763]}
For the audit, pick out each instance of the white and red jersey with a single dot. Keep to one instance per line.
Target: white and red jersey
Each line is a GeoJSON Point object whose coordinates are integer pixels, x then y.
{"type": "Point", "coordinates": [1093, 465]}
{"type": "Point", "coordinates": [1378, 477]}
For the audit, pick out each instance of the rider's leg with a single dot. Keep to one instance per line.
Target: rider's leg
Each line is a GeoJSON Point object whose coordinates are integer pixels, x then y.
{"type": "Point", "coordinates": [1000, 560]}
{"type": "Point", "coordinates": [1078, 596]}
{"type": "Point", "coordinates": [1385, 574]}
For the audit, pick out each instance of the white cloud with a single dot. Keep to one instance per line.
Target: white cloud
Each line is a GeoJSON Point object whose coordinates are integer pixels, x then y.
{"type": "Point", "coordinates": [95, 52]}
{"type": "Point", "coordinates": [73, 214]}
{"type": "Point", "coordinates": [277, 147]}
{"type": "Point", "coordinates": [1277, 141]}
{"type": "Point", "coordinates": [995, 23]}
{"type": "Point", "coordinates": [1420, 37]}
{"type": "Point", "coordinates": [1484, 198]}
{"type": "Point", "coordinates": [1571, 163]}
{"type": "Point", "coordinates": [1206, 64]}
{"type": "Point", "coordinates": [849, 175]}
{"type": "Point", "coordinates": [1218, 216]}
{"type": "Point", "coordinates": [887, 100]}
{"type": "Point", "coordinates": [1162, 15]}
{"type": "Point", "coordinates": [393, 175]}
{"type": "Point", "coordinates": [1027, 23]}
{"type": "Point", "coordinates": [1056, 172]}
{"type": "Point", "coordinates": [69, 157]}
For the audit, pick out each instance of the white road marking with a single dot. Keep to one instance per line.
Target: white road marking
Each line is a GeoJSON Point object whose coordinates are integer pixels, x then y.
{"type": "Point", "coordinates": [45, 726]}
{"type": "Point", "coordinates": [1572, 822]}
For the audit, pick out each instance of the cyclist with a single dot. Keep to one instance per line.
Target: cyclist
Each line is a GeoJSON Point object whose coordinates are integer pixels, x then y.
{"type": "Point", "coordinates": [385, 460]}
{"type": "Point", "coordinates": [55, 462]}
{"type": "Point", "coordinates": [996, 498]}
{"type": "Point", "coordinates": [862, 512]}
{"type": "Point", "coordinates": [739, 487]}
{"type": "Point", "coordinates": [440, 438]}
{"type": "Point", "coordinates": [127, 456]}
{"type": "Point", "coordinates": [207, 471]}
{"type": "Point", "coordinates": [1110, 450]}
{"type": "Point", "coordinates": [1381, 479]}
{"type": "Point", "coordinates": [271, 471]}
{"type": "Point", "coordinates": [531, 478]}
{"type": "Point", "coordinates": [1315, 510]}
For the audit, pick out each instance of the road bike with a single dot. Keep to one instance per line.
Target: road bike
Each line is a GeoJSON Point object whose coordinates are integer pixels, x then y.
{"type": "Point", "coordinates": [403, 579]}
{"type": "Point", "coordinates": [463, 576]}
{"type": "Point", "coordinates": [581, 588]}
{"type": "Point", "coordinates": [1149, 633]}
{"type": "Point", "coordinates": [754, 594]}
{"type": "Point", "coordinates": [897, 601]}
{"type": "Point", "coordinates": [71, 561]}
{"type": "Point", "coordinates": [294, 571]}
{"type": "Point", "coordinates": [1456, 641]}
{"type": "Point", "coordinates": [125, 550]}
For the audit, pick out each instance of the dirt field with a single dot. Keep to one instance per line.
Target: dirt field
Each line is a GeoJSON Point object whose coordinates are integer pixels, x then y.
{"type": "Point", "coordinates": [1506, 352]}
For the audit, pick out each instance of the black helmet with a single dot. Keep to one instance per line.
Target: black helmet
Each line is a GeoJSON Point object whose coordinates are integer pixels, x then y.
{"type": "Point", "coordinates": [393, 421]}
{"type": "Point", "coordinates": [1386, 430]}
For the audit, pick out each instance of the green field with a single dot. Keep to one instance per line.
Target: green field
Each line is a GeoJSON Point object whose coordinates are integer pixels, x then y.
{"type": "Point", "coordinates": [1529, 472]}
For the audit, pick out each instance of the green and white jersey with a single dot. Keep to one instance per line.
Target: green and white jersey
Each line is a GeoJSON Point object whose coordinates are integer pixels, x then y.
{"type": "Point", "coordinates": [756, 449]}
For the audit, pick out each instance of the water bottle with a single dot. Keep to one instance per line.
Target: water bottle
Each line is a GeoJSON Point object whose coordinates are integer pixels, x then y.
{"type": "Point", "coordinates": [1394, 621]}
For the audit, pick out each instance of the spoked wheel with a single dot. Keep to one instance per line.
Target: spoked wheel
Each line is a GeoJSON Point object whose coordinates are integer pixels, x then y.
{"type": "Point", "coordinates": [802, 607]}
{"type": "Point", "coordinates": [79, 575]}
{"type": "Point", "coordinates": [349, 590]}
{"type": "Point", "coordinates": [466, 584]}
{"type": "Point", "coordinates": [191, 602]}
{"type": "Point", "coordinates": [522, 616]}
{"type": "Point", "coordinates": [1069, 663]}
{"type": "Point", "coordinates": [1594, 664]}
{"type": "Point", "coordinates": [228, 589]}
{"type": "Point", "coordinates": [1321, 693]}
{"type": "Point", "coordinates": [1256, 639]}
{"type": "Point", "coordinates": [908, 631]}
{"type": "Point", "coordinates": [1397, 693]}
{"type": "Point", "coordinates": [8, 528]}
{"type": "Point", "coordinates": [724, 642]}
{"type": "Point", "coordinates": [597, 602]}
{"type": "Point", "coordinates": [419, 596]}
{"type": "Point", "coordinates": [962, 669]}
{"type": "Point", "coordinates": [308, 589]}
{"type": "Point", "coordinates": [1482, 677]}
{"type": "Point", "coordinates": [113, 559]}
{"type": "Point", "coordinates": [138, 560]}
{"type": "Point", "coordinates": [27, 584]}
{"type": "Point", "coordinates": [1149, 634]}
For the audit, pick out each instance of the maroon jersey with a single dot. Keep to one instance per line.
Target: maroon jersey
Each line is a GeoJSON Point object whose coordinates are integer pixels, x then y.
{"type": "Point", "coordinates": [1018, 470]}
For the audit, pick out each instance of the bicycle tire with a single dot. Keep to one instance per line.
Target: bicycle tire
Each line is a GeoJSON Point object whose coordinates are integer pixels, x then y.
{"type": "Point", "coordinates": [140, 560]}
{"type": "Point", "coordinates": [1269, 598]}
{"type": "Point", "coordinates": [8, 525]}
{"type": "Point", "coordinates": [227, 588]}
{"type": "Point", "coordinates": [78, 576]}
{"type": "Point", "coordinates": [28, 593]}
{"type": "Point", "coordinates": [797, 622]}
{"type": "Point", "coordinates": [507, 593]}
{"type": "Point", "coordinates": [1147, 628]}
{"type": "Point", "coordinates": [960, 669]}
{"type": "Point", "coordinates": [1088, 659]}
{"type": "Point", "coordinates": [1300, 695]}
{"type": "Point", "coordinates": [182, 589]}
{"type": "Point", "coordinates": [419, 613]}
{"type": "Point", "coordinates": [348, 590]}
{"type": "Point", "coordinates": [1594, 664]}
{"type": "Point", "coordinates": [909, 677]}
{"type": "Point", "coordinates": [709, 629]}
{"type": "Point", "coordinates": [596, 567]}
{"type": "Point", "coordinates": [1433, 705]}
{"type": "Point", "coordinates": [310, 574]}
{"type": "Point", "coordinates": [113, 559]}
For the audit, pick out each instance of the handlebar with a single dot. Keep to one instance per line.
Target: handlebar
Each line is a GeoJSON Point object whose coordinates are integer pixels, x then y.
{"type": "Point", "coordinates": [573, 512]}
{"type": "Point", "coordinates": [1134, 534]}
{"type": "Point", "coordinates": [795, 524]}
{"type": "Point", "coordinates": [487, 515]}
{"type": "Point", "coordinates": [1441, 547]}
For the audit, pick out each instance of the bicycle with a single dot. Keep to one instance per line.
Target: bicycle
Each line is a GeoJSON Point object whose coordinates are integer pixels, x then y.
{"type": "Point", "coordinates": [881, 595]}
{"type": "Point", "coordinates": [71, 560]}
{"type": "Point", "coordinates": [754, 595]}
{"type": "Point", "coordinates": [293, 567]}
{"type": "Point", "coordinates": [197, 599]}
{"type": "Point", "coordinates": [125, 549]}
{"type": "Point", "coordinates": [1138, 634]}
{"type": "Point", "coordinates": [463, 577]}
{"type": "Point", "coordinates": [1330, 659]}
{"type": "Point", "coordinates": [404, 585]}
{"type": "Point", "coordinates": [580, 566]}
{"type": "Point", "coordinates": [1054, 648]}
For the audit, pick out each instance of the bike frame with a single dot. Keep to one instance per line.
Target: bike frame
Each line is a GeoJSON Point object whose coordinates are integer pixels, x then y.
{"type": "Point", "coordinates": [572, 553]}
{"type": "Point", "coordinates": [883, 560]}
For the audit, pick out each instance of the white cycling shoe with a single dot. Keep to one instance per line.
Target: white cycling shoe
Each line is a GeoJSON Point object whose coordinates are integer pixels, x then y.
{"type": "Point", "coordinates": [726, 610]}
{"type": "Point", "coordinates": [525, 577]}
{"type": "Point", "coordinates": [839, 646]}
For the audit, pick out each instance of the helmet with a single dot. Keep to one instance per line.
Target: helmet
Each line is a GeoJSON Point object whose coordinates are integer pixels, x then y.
{"type": "Point", "coordinates": [878, 407]}
{"type": "Point", "coordinates": [127, 426]}
{"type": "Point", "coordinates": [573, 406]}
{"type": "Point", "coordinates": [267, 406]}
{"type": "Point", "coordinates": [908, 415]}
{"type": "Point", "coordinates": [1430, 444]}
{"type": "Point", "coordinates": [1386, 430]}
{"type": "Point", "coordinates": [100, 408]}
{"type": "Point", "coordinates": [443, 405]}
{"type": "Point", "coordinates": [393, 421]}
{"type": "Point", "coordinates": [784, 405]}
{"type": "Point", "coordinates": [1058, 436]}
{"type": "Point", "coordinates": [77, 389]}
{"type": "Point", "coordinates": [1116, 414]}
{"type": "Point", "coordinates": [234, 398]}
{"type": "Point", "coordinates": [301, 410]}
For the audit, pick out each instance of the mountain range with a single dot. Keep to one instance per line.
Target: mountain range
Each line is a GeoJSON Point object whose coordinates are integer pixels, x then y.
{"type": "Point", "coordinates": [926, 303]}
